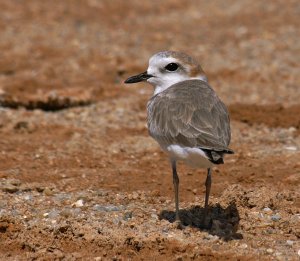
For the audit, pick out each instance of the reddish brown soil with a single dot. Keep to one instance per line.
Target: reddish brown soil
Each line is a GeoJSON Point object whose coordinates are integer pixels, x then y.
{"type": "Point", "coordinates": [80, 179]}
{"type": "Point", "coordinates": [272, 115]}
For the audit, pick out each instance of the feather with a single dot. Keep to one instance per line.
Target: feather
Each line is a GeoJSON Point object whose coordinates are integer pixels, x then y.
{"type": "Point", "coordinates": [190, 114]}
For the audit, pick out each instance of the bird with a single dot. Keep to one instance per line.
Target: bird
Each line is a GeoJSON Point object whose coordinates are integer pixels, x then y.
{"type": "Point", "coordinates": [185, 116]}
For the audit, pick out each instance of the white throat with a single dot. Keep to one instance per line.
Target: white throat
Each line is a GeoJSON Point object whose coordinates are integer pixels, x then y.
{"type": "Point", "coordinates": [160, 86]}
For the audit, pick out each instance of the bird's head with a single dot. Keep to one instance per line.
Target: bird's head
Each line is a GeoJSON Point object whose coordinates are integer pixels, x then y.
{"type": "Point", "coordinates": [167, 68]}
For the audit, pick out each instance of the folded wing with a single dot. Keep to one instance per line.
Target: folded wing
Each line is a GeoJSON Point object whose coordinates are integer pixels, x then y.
{"type": "Point", "coordinates": [190, 114]}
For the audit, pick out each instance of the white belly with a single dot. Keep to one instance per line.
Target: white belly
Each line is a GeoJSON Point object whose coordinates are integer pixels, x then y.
{"type": "Point", "coordinates": [193, 157]}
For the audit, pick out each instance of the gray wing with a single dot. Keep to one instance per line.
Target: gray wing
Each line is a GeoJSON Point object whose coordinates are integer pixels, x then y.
{"type": "Point", "coordinates": [190, 114]}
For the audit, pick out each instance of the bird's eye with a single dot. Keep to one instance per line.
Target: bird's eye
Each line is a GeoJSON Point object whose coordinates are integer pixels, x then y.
{"type": "Point", "coordinates": [171, 67]}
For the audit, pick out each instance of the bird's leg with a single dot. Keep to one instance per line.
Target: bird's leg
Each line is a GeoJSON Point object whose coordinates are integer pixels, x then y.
{"type": "Point", "coordinates": [176, 185]}
{"type": "Point", "coordinates": [207, 185]}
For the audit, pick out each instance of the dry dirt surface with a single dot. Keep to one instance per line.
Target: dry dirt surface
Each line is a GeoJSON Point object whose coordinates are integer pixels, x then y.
{"type": "Point", "coordinates": [80, 179]}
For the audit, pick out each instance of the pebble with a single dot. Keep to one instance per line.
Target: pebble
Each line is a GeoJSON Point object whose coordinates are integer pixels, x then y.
{"type": "Point", "coordinates": [275, 217]}
{"type": "Point", "coordinates": [52, 214]}
{"type": "Point", "coordinates": [127, 216]}
{"type": "Point", "coordinates": [154, 216]}
{"type": "Point", "coordinates": [10, 188]}
{"type": "Point", "coordinates": [78, 203]}
{"type": "Point", "coordinates": [66, 213]}
{"type": "Point", "coordinates": [295, 218]}
{"type": "Point", "coordinates": [135, 195]}
{"type": "Point", "coordinates": [279, 256]}
{"type": "Point", "coordinates": [211, 237]}
{"type": "Point", "coordinates": [108, 208]}
{"type": "Point", "coordinates": [291, 148]}
{"type": "Point", "coordinates": [117, 220]}
{"type": "Point", "coordinates": [61, 196]}
{"type": "Point", "coordinates": [289, 242]}
{"type": "Point", "coordinates": [48, 192]}
{"type": "Point", "coordinates": [292, 129]}
{"type": "Point", "coordinates": [267, 210]}
{"type": "Point", "coordinates": [270, 231]}
{"type": "Point", "coordinates": [28, 197]}
{"type": "Point", "coordinates": [261, 215]}
{"type": "Point", "coordinates": [243, 246]}
{"type": "Point", "coordinates": [270, 250]}
{"type": "Point", "coordinates": [299, 252]}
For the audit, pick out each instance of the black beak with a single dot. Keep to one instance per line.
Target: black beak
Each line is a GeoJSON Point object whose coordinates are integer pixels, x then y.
{"type": "Point", "coordinates": [138, 78]}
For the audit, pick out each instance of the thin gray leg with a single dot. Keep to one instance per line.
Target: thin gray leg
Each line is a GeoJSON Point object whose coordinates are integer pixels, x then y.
{"type": "Point", "coordinates": [207, 192]}
{"type": "Point", "coordinates": [176, 185]}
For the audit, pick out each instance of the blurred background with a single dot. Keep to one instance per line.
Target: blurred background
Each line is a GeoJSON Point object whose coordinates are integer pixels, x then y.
{"type": "Point", "coordinates": [84, 49]}
{"type": "Point", "coordinates": [79, 173]}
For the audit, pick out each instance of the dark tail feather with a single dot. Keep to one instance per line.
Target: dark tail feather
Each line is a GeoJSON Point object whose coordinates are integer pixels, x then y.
{"type": "Point", "coordinates": [216, 157]}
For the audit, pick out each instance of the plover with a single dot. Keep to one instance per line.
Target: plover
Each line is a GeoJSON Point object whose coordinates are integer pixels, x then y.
{"type": "Point", "coordinates": [185, 115]}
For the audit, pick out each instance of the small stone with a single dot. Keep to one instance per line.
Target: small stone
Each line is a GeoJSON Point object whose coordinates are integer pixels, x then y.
{"type": "Point", "coordinates": [53, 214]}
{"type": "Point", "coordinates": [211, 237]}
{"type": "Point", "coordinates": [39, 189]}
{"type": "Point", "coordinates": [154, 216]}
{"type": "Point", "coordinates": [299, 252]}
{"type": "Point", "coordinates": [78, 203]}
{"type": "Point", "coordinates": [270, 231]}
{"type": "Point", "coordinates": [243, 246]}
{"type": "Point", "coordinates": [261, 215]}
{"type": "Point", "coordinates": [127, 216]}
{"type": "Point", "coordinates": [135, 195]}
{"type": "Point", "coordinates": [275, 217]}
{"type": "Point", "coordinates": [15, 182]}
{"type": "Point", "coordinates": [98, 258]}
{"type": "Point", "coordinates": [28, 197]}
{"type": "Point", "coordinates": [267, 210]}
{"type": "Point", "coordinates": [208, 237]}
{"type": "Point", "coordinates": [48, 192]}
{"type": "Point", "coordinates": [66, 212]}
{"type": "Point", "coordinates": [289, 242]}
{"type": "Point", "coordinates": [270, 250]}
{"type": "Point", "coordinates": [10, 188]}
{"type": "Point", "coordinates": [295, 218]}
{"type": "Point", "coordinates": [108, 208]}
{"type": "Point", "coordinates": [279, 256]}
{"type": "Point", "coordinates": [291, 148]}
{"type": "Point", "coordinates": [58, 254]}
{"type": "Point", "coordinates": [292, 129]}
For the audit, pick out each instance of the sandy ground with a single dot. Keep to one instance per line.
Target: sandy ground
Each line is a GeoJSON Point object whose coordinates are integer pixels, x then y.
{"type": "Point", "coordinates": [80, 177]}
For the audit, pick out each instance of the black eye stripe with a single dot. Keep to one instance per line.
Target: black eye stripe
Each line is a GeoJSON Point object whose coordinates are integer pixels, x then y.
{"type": "Point", "coordinates": [171, 67]}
